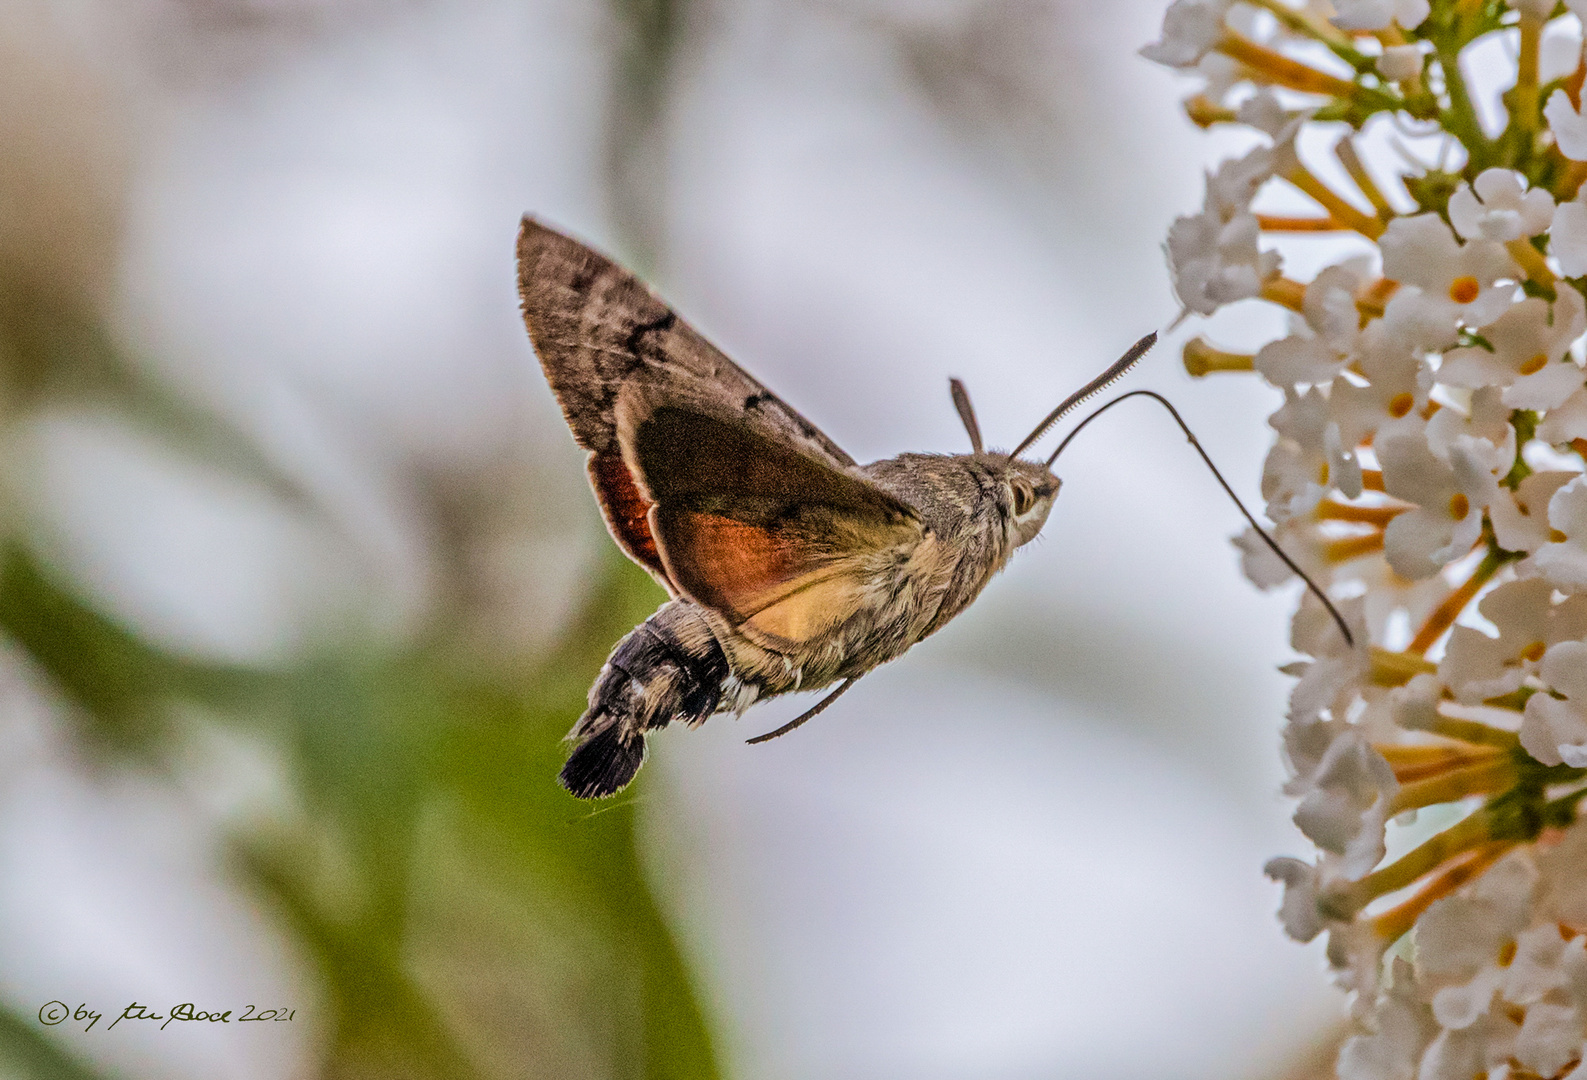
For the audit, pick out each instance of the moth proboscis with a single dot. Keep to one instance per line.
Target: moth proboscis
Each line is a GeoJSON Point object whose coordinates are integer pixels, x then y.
{"type": "Point", "coordinates": [789, 565]}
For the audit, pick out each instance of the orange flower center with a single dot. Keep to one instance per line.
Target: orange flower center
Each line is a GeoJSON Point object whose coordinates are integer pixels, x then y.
{"type": "Point", "coordinates": [1557, 537]}
{"type": "Point", "coordinates": [1459, 506]}
{"type": "Point", "coordinates": [1400, 404]}
{"type": "Point", "coordinates": [1463, 290]}
{"type": "Point", "coordinates": [1534, 652]}
{"type": "Point", "coordinates": [1534, 364]}
{"type": "Point", "coordinates": [1507, 952]}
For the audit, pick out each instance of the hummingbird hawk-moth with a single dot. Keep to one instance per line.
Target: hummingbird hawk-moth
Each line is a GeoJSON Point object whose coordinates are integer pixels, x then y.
{"type": "Point", "coordinates": [790, 566]}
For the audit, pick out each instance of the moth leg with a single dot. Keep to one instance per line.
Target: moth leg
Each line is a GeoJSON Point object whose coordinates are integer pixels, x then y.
{"type": "Point", "coordinates": [669, 668]}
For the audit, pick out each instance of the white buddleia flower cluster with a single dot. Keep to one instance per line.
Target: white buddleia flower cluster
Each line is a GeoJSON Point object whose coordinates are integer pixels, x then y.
{"type": "Point", "coordinates": [1427, 473]}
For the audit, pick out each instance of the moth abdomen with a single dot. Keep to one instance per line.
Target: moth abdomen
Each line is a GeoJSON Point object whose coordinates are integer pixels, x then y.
{"type": "Point", "coordinates": [668, 668]}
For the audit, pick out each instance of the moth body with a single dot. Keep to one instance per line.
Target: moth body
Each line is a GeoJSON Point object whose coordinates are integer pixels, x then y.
{"type": "Point", "coordinates": [791, 567]}
{"type": "Point", "coordinates": [686, 662]}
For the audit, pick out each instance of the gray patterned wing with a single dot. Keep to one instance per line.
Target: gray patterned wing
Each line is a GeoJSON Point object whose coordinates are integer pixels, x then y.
{"type": "Point", "coordinates": [599, 332]}
{"type": "Point", "coordinates": [595, 326]}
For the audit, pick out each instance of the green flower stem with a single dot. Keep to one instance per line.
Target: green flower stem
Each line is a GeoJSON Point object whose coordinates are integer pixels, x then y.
{"type": "Point", "coordinates": [1345, 152]}
{"type": "Point", "coordinates": [1520, 137]}
{"type": "Point", "coordinates": [1460, 118]}
{"type": "Point", "coordinates": [1274, 68]}
{"type": "Point", "coordinates": [1338, 208]}
{"type": "Point", "coordinates": [1479, 779]}
{"type": "Point", "coordinates": [1446, 613]}
{"type": "Point", "coordinates": [1471, 731]}
{"type": "Point", "coordinates": [1470, 832]}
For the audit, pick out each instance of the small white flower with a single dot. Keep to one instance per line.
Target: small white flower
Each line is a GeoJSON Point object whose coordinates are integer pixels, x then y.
{"type": "Point", "coordinates": [1567, 238]}
{"type": "Point", "coordinates": [1263, 111]}
{"type": "Point", "coordinates": [1190, 29]}
{"type": "Point", "coordinates": [1213, 256]}
{"type": "Point", "coordinates": [1554, 730]}
{"type": "Point", "coordinates": [1330, 682]}
{"type": "Point", "coordinates": [1531, 342]}
{"type": "Point", "coordinates": [1414, 706]}
{"type": "Point", "coordinates": [1453, 282]}
{"type": "Point", "coordinates": [1296, 359]}
{"type": "Point", "coordinates": [1486, 419]}
{"type": "Point", "coordinates": [1466, 1053]}
{"type": "Point", "coordinates": [1298, 911]}
{"type": "Point", "coordinates": [1266, 570]}
{"type": "Point", "coordinates": [1388, 594]}
{"type": "Point", "coordinates": [1308, 458]}
{"type": "Point", "coordinates": [1476, 666]}
{"type": "Point", "coordinates": [1564, 561]}
{"type": "Point", "coordinates": [1567, 422]}
{"type": "Point", "coordinates": [1498, 206]}
{"type": "Point", "coordinates": [1398, 383]}
{"type": "Point", "coordinates": [1538, 967]}
{"type": "Point", "coordinates": [1329, 306]}
{"type": "Point", "coordinates": [1402, 1027]}
{"type": "Point", "coordinates": [1321, 345]}
{"type": "Point", "coordinates": [1449, 498]}
{"type": "Point", "coordinates": [1550, 1039]}
{"type": "Point", "coordinates": [1520, 517]}
{"type": "Point", "coordinates": [1568, 125]}
{"type": "Point", "coordinates": [1464, 933]}
{"type": "Point", "coordinates": [1345, 803]}
{"type": "Point", "coordinates": [1379, 14]}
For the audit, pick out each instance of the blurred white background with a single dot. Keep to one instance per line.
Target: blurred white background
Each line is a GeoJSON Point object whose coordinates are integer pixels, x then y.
{"type": "Point", "coordinates": [1031, 848]}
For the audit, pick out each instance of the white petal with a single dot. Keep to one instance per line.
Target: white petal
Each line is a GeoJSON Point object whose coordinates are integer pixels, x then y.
{"type": "Point", "coordinates": [1569, 126]}
{"type": "Point", "coordinates": [1264, 569]}
{"type": "Point", "coordinates": [1547, 725]}
{"type": "Point", "coordinates": [1400, 62]}
{"type": "Point", "coordinates": [1564, 668]}
{"type": "Point", "coordinates": [1298, 910]}
{"type": "Point", "coordinates": [1473, 367]}
{"type": "Point", "coordinates": [1544, 389]}
{"type": "Point", "coordinates": [1412, 13]}
{"type": "Point", "coordinates": [1567, 422]}
{"type": "Point", "coordinates": [1294, 359]}
{"type": "Point", "coordinates": [1563, 564]}
{"type": "Point", "coordinates": [1549, 1038]}
{"type": "Point", "coordinates": [1363, 14]}
{"type": "Point", "coordinates": [1568, 238]}
{"type": "Point", "coordinates": [1458, 1007]}
{"type": "Point", "coordinates": [1190, 29]}
{"type": "Point", "coordinates": [1411, 539]}
{"type": "Point", "coordinates": [1499, 187]}
{"type": "Point", "coordinates": [1418, 250]}
{"type": "Point", "coordinates": [1465, 212]}
{"type": "Point", "coordinates": [1454, 1055]}
{"type": "Point", "coordinates": [1537, 210]}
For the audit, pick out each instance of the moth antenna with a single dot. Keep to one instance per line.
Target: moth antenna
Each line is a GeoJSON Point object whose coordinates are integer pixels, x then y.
{"type": "Point", "coordinates": [1229, 491]}
{"type": "Point", "coordinates": [961, 401]}
{"type": "Point", "coordinates": [814, 710]}
{"type": "Point", "coordinates": [1090, 389]}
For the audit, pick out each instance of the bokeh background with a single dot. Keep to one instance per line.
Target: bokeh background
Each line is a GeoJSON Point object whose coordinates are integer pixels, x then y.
{"type": "Point", "coordinates": [302, 585]}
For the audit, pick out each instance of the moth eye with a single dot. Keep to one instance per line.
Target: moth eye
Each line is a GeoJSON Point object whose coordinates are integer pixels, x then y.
{"type": "Point", "coordinates": [1024, 499]}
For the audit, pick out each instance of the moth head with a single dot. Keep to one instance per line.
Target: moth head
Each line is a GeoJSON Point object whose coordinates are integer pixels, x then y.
{"type": "Point", "coordinates": [1030, 490]}
{"type": "Point", "coordinates": [1029, 487]}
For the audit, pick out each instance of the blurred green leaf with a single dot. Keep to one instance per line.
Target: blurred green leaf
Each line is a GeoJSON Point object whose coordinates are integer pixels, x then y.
{"type": "Point", "coordinates": [27, 1053]}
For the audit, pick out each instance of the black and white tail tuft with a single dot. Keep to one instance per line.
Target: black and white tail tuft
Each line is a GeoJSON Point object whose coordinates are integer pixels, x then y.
{"type": "Point", "coordinates": [669, 668]}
